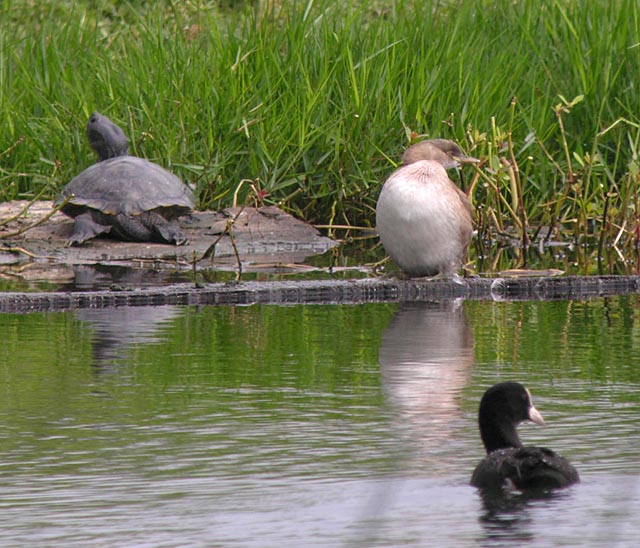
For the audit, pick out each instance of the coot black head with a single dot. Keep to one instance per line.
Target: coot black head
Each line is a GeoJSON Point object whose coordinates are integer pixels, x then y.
{"type": "Point", "coordinates": [509, 464]}
{"type": "Point", "coordinates": [502, 408]}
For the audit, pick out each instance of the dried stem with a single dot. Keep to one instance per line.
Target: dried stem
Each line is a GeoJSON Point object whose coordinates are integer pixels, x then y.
{"type": "Point", "coordinates": [38, 222]}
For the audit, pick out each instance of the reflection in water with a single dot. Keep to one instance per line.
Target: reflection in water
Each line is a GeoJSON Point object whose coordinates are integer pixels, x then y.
{"type": "Point", "coordinates": [507, 516]}
{"type": "Point", "coordinates": [426, 354]}
{"type": "Point", "coordinates": [104, 277]}
{"type": "Point", "coordinates": [117, 329]}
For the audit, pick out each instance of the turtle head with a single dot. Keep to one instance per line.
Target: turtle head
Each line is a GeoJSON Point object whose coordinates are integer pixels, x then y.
{"type": "Point", "coordinates": [106, 138]}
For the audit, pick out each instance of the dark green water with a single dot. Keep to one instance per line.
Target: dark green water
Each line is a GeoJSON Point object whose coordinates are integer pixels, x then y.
{"type": "Point", "coordinates": [311, 425]}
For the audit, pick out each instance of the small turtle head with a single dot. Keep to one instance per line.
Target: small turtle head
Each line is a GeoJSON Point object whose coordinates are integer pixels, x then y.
{"type": "Point", "coordinates": [105, 137]}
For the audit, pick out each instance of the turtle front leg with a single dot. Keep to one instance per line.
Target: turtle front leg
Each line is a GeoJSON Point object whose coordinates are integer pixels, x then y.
{"type": "Point", "coordinates": [169, 232]}
{"type": "Point", "coordinates": [164, 229]}
{"type": "Point", "coordinates": [85, 227]}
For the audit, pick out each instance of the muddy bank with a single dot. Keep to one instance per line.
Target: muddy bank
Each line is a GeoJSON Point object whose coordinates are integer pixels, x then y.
{"type": "Point", "coordinates": [260, 238]}
{"type": "Point", "coordinates": [328, 292]}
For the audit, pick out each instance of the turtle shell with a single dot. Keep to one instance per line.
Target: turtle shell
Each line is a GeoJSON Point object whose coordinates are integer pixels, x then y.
{"type": "Point", "coordinates": [127, 185]}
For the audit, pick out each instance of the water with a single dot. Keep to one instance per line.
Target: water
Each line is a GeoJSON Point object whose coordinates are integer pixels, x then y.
{"type": "Point", "coordinates": [315, 426]}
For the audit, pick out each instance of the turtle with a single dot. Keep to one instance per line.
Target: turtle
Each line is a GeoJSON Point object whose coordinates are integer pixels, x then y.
{"type": "Point", "coordinates": [125, 196]}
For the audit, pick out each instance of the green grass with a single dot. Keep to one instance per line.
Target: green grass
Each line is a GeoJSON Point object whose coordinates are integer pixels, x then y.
{"type": "Point", "coordinates": [309, 104]}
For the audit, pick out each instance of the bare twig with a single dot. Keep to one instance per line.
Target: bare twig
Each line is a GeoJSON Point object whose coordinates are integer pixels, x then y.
{"type": "Point", "coordinates": [211, 250]}
{"type": "Point", "coordinates": [194, 267]}
{"type": "Point", "coordinates": [237, 190]}
{"type": "Point", "coordinates": [235, 248]}
{"type": "Point", "coordinates": [343, 227]}
{"type": "Point", "coordinates": [18, 249]}
{"type": "Point", "coordinates": [602, 233]}
{"type": "Point", "coordinates": [502, 200]}
{"type": "Point", "coordinates": [5, 222]}
{"type": "Point", "coordinates": [38, 222]}
{"type": "Point", "coordinates": [560, 109]}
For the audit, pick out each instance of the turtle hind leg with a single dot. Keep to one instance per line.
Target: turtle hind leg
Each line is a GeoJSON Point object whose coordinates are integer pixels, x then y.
{"type": "Point", "coordinates": [163, 229]}
{"type": "Point", "coordinates": [131, 228]}
{"type": "Point", "coordinates": [146, 227]}
{"type": "Point", "coordinates": [86, 227]}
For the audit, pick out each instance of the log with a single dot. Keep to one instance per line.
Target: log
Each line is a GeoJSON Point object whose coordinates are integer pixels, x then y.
{"type": "Point", "coordinates": [369, 290]}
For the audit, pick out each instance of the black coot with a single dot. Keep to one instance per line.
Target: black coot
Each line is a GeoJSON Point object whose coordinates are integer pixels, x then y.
{"type": "Point", "coordinates": [509, 465]}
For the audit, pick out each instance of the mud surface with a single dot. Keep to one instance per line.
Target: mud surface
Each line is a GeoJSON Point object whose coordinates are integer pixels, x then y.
{"type": "Point", "coordinates": [264, 237]}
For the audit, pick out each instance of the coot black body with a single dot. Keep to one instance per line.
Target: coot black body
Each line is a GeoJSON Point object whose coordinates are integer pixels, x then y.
{"type": "Point", "coordinates": [508, 464]}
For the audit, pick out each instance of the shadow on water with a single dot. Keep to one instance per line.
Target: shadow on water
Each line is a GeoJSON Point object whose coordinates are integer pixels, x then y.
{"type": "Point", "coordinates": [116, 330]}
{"type": "Point", "coordinates": [506, 517]}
